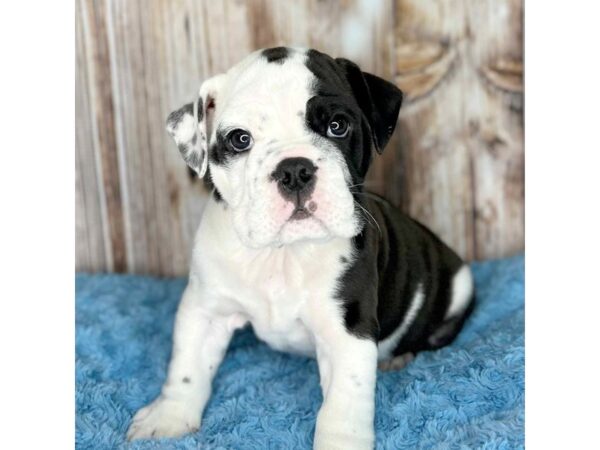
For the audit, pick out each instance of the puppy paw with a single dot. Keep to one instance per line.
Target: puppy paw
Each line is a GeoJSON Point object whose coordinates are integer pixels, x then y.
{"type": "Point", "coordinates": [164, 417]}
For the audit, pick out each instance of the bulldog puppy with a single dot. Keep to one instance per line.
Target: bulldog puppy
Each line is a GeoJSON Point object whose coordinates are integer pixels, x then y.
{"type": "Point", "coordinates": [291, 243]}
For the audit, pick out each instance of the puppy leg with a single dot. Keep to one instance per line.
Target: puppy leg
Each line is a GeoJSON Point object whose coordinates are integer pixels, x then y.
{"type": "Point", "coordinates": [348, 368]}
{"type": "Point", "coordinates": [200, 340]}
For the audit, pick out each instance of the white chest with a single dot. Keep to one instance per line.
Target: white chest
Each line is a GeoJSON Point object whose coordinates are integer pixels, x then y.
{"type": "Point", "coordinates": [277, 306]}
{"type": "Point", "coordinates": [283, 328]}
{"type": "Point", "coordinates": [279, 291]}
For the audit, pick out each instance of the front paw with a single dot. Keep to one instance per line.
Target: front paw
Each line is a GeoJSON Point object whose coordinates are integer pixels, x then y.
{"type": "Point", "coordinates": [338, 430]}
{"type": "Point", "coordinates": [164, 417]}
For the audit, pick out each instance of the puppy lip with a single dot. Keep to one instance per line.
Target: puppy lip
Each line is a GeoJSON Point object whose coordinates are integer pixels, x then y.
{"type": "Point", "coordinates": [304, 211]}
{"type": "Point", "coordinates": [300, 213]}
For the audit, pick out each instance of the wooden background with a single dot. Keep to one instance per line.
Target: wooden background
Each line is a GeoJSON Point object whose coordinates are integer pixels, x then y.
{"type": "Point", "coordinates": [455, 163]}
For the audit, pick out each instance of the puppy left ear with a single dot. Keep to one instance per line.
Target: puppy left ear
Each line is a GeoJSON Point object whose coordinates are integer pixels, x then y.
{"type": "Point", "coordinates": [379, 100]}
{"type": "Point", "coordinates": [191, 125]}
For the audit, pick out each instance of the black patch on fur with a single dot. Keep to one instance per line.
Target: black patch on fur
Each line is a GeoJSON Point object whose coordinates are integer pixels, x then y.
{"type": "Point", "coordinates": [358, 241]}
{"type": "Point", "coordinates": [379, 100]}
{"type": "Point", "coordinates": [390, 263]}
{"type": "Point", "coordinates": [186, 380]}
{"type": "Point", "coordinates": [218, 197]}
{"type": "Point", "coordinates": [395, 255]}
{"type": "Point", "coordinates": [352, 314]}
{"type": "Point", "coordinates": [210, 186]}
{"type": "Point", "coordinates": [333, 96]}
{"type": "Point", "coordinates": [369, 104]}
{"type": "Point", "coordinates": [276, 55]}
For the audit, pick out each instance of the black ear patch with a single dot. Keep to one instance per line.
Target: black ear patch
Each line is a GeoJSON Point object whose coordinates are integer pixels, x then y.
{"type": "Point", "coordinates": [379, 100]}
{"type": "Point", "coordinates": [276, 54]}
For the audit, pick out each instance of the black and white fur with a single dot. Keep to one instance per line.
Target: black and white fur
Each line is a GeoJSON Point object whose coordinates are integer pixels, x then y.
{"type": "Point", "coordinates": [325, 269]}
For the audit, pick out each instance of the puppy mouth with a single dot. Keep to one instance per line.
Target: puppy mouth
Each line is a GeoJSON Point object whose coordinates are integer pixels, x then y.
{"type": "Point", "coordinates": [302, 212]}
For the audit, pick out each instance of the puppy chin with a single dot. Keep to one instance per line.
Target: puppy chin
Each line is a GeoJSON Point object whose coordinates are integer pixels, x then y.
{"type": "Point", "coordinates": [257, 229]}
{"type": "Point", "coordinates": [254, 240]}
{"type": "Point", "coordinates": [290, 232]}
{"type": "Point", "coordinates": [310, 230]}
{"type": "Point", "coordinates": [302, 230]}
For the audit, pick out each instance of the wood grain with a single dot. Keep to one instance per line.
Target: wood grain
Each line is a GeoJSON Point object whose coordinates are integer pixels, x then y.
{"type": "Point", "coordinates": [99, 84]}
{"type": "Point", "coordinates": [90, 221]}
{"type": "Point", "coordinates": [456, 161]}
{"type": "Point", "coordinates": [461, 131]}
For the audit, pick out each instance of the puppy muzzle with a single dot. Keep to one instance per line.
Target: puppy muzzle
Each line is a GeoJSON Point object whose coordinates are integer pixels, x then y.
{"type": "Point", "coordinates": [296, 179]}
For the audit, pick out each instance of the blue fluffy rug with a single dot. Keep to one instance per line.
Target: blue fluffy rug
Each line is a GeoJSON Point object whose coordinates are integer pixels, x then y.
{"type": "Point", "coordinates": [468, 395]}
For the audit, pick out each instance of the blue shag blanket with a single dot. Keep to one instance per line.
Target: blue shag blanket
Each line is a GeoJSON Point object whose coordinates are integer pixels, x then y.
{"type": "Point", "coordinates": [464, 396]}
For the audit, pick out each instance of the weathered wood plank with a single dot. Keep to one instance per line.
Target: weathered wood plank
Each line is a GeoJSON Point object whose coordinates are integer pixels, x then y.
{"type": "Point", "coordinates": [436, 160]}
{"type": "Point", "coordinates": [86, 257]}
{"type": "Point", "coordinates": [92, 249]}
{"type": "Point", "coordinates": [452, 119]}
{"type": "Point", "coordinates": [98, 64]}
{"type": "Point", "coordinates": [494, 118]}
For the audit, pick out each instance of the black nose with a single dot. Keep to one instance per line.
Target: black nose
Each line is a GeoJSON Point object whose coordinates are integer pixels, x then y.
{"type": "Point", "coordinates": [295, 178]}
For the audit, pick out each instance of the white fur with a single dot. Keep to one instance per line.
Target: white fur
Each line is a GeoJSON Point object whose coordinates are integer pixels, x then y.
{"type": "Point", "coordinates": [387, 346]}
{"type": "Point", "coordinates": [462, 291]}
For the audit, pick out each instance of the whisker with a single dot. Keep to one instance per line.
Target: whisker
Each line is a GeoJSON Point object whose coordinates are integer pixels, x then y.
{"type": "Point", "coordinates": [367, 217]}
{"type": "Point", "coordinates": [368, 214]}
{"type": "Point", "coordinates": [355, 185]}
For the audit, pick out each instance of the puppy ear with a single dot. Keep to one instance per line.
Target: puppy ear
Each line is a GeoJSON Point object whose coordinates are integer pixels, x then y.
{"type": "Point", "coordinates": [379, 100]}
{"type": "Point", "coordinates": [191, 125]}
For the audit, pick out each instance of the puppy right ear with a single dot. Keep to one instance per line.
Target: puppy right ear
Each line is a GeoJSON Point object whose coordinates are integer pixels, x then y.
{"type": "Point", "coordinates": [191, 125]}
{"type": "Point", "coordinates": [379, 100]}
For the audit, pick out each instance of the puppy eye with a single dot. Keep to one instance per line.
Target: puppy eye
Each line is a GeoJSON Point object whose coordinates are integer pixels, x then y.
{"type": "Point", "coordinates": [338, 128]}
{"type": "Point", "coordinates": [240, 140]}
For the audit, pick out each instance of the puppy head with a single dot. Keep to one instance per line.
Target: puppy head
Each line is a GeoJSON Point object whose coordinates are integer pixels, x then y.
{"type": "Point", "coordinates": [286, 137]}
